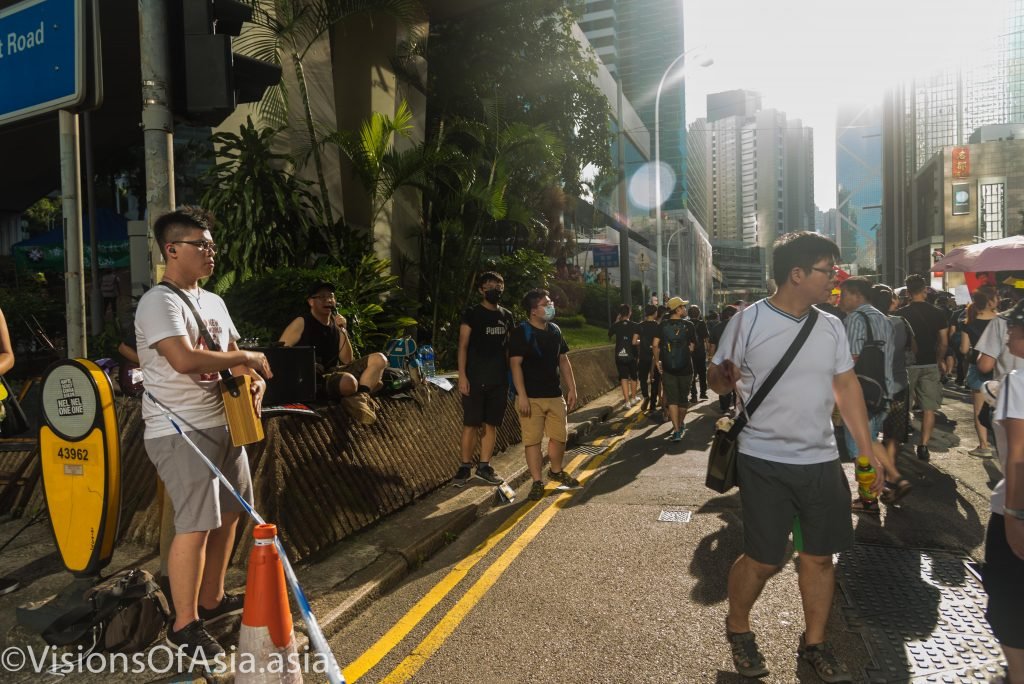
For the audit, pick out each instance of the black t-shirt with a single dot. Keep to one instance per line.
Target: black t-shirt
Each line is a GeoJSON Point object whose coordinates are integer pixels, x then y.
{"type": "Point", "coordinates": [715, 334]}
{"type": "Point", "coordinates": [834, 310]}
{"type": "Point", "coordinates": [540, 359]}
{"type": "Point", "coordinates": [623, 332]}
{"type": "Point", "coordinates": [486, 360]}
{"type": "Point", "coordinates": [975, 328]}
{"type": "Point", "coordinates": [325, 339]}
{"type": "Point", "coordinates": [927, 321]}
{"type": "Point", "coordinates": [701, 329]}
{"type": "Point", "coordinates": [648, 331]}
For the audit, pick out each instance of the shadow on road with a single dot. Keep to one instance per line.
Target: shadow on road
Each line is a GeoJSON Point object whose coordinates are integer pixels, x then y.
{"type": "Point", "coordinates": [716, 552]}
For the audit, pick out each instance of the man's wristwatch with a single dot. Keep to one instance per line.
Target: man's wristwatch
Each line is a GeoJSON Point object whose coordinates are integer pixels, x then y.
{"type": "Point", "coordinates": [1013, 512]}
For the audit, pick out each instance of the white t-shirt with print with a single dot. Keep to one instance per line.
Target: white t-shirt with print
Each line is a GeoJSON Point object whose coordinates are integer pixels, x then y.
{"type": "Point", "coordinates": [1009, 404]}
{"type": "Point", "coordinates": [794, 422]}
{"type": "Point", "coordinates": [993, 343]}
{"type": "Point", "coordinates": [194, 398]}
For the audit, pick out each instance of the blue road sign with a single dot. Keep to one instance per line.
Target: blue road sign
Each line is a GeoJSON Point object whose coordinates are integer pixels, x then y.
{"type": "Point", "coordinates": [42, 57]}
{"type": "Point", "coordinates": [606, 256]}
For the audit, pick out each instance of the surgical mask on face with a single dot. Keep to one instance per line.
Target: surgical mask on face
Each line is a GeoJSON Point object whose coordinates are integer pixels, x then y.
{"type": "Point", "coordinates": [492, 296]}
{"type": "Point", "coordinates": [549, 312]}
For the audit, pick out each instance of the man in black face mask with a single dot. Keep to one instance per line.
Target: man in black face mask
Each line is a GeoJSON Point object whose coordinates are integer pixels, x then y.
{"type": "Point", "coordinates": [483, 376]}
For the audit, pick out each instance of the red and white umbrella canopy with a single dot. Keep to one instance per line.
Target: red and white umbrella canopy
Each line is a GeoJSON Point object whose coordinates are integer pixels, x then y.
{"type": "Point", "coordinates": [996, 255]}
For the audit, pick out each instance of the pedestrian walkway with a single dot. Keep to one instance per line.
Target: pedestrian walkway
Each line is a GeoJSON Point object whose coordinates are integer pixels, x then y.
{"type": "Point", "coordinates": [636, 594]}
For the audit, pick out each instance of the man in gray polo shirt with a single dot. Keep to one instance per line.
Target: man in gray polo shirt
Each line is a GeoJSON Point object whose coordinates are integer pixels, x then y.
{"type": "Point", "coordinates": [789, 473]}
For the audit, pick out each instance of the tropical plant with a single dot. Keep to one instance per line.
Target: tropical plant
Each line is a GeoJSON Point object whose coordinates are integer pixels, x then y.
{"type": "Point", "coordinates": [285, 31]}
{"type": "Point", "coordinates": [483, 192]}
{"type": "Point", "coordinates": [367, 295]}
{"type": "Point", "coordinates": [379, 166]}
{"type": "Point", "coordinates": [265, 214]}
{"type": "Point", "coordinates": [526, 51]}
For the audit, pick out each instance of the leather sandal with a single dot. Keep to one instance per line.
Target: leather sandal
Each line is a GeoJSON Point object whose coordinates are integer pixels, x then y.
{"type": "Point", "coordinates": [746, 656]}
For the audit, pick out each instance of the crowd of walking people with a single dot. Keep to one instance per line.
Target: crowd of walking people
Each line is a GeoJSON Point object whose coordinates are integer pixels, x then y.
{"type": "Point", "coordinates": [833, 370]}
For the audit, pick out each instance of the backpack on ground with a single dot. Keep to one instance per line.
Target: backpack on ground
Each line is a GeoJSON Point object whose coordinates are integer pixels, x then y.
{"type": "Point", "coordinates": [125, 613]}
{"type": "Point", "coordinates": [676, 345]}
{"type": "Point", "coordinates": [870, 370]}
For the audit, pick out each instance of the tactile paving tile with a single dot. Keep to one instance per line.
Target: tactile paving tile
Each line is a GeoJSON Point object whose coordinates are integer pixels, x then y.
{"type": "Point", "coordinates": [921, 614]}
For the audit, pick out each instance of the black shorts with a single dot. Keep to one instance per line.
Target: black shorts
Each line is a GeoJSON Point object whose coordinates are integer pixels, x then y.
{"type": "Point", "coordinates": [485, 404]}
{"type": "Point", "coordinates": [1002, 579]}
{"type": "Point", "coordinates": [627, 369]}
{"type": "Point", "coordinates": [810, 501]}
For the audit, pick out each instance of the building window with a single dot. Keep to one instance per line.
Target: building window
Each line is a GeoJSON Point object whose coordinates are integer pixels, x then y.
{"type": "Point", "coordinates": [993, 211]}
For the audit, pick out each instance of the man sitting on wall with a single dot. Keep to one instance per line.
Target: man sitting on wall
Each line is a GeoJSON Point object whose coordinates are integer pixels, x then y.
{"type": "Point", "coordinates": [342, 376]}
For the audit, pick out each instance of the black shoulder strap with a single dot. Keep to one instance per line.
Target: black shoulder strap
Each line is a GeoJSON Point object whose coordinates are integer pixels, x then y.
{"type": "Point", "coordinates": [203, 332]}
{"type": "Point", "coordinates": [867, 324]}
{"type": "Point", "coordinates": [780, 368]}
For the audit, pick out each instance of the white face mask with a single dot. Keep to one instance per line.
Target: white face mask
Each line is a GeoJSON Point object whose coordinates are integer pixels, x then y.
{"type": "Point", "coordinates": [549, 312]}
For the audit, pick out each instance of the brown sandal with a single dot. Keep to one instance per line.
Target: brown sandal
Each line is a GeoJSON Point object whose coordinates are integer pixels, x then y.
{"type": "Point", "coordinates": [746, 656]}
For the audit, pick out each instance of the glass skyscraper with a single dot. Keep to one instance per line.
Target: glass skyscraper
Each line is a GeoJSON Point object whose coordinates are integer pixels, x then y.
{"type": "Point", "coordinates": [637, 40]}
{"type": "Point", "coordinates": [859, 182]}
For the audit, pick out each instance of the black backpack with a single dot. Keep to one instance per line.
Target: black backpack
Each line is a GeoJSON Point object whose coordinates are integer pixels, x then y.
{"type": "Point", "coordinates": [675, 346]}
{"type": "Point", "coordinates": [125, 613]}
{"type": "Point", "coordinates": [870, 370]}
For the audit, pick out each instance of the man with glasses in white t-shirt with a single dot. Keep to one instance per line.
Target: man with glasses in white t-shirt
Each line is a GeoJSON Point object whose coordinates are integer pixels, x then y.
{"type": "Point", "coordinates": [788, 468]}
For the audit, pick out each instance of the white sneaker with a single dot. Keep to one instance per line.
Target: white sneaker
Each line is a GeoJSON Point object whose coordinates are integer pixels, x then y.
{"type": "Point", "coordinates": [628, 404]}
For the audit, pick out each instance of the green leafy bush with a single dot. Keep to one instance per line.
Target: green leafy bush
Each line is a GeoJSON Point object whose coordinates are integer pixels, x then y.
{"type": "Point", "coordinates": [264, 305]}
{"type": "Point", "coordinates": [576, 321]}
{"type": "Point", "coordinates": [595, 303]}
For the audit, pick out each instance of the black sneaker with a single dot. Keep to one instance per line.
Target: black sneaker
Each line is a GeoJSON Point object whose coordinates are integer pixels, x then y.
{"type": "Point", "coordinates": [231, 604]}
{"type": "Point", "coordinates": [537, 491]}
{"type": "Point", "coordinates": [486, 473]}
{"type": "Point", "coordinates": [195, 643]}
{"type": "Point", "coordinates": [463, 474]}
{"type": "Point", "coordinates": [565, 480]}
{"type": "Point", "coordinates": [922, 452]}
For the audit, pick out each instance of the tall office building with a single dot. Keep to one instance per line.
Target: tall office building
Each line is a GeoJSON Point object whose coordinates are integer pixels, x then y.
{"type": "Point", "coordinates": [751, 177]}
{"type": "Point", "coordinates": [859, 182]}
{"type": "Point", "coordinates": [932, 112]}
{"type": "Point", "coordinates": [751, 174]}
{"type": "Point", "coordinates": [637, 40]}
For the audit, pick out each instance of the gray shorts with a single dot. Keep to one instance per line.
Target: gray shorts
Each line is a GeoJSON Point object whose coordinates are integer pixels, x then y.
{"type": "Point", "coordinates": [925, 385]}
{"type": "Point", "coordinates": [811, 501]}
{"type": "Point", "coordinates": [677, 388]}
{"type": "Point", "coordinates": [198, 496]}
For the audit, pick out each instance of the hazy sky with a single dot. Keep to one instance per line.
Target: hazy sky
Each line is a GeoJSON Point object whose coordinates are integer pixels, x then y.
{"type": "Point", "coordinates": [806, 57]}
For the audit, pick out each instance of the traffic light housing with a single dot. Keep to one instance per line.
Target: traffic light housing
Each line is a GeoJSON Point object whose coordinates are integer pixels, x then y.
{"type": "Point", "coordinates": [209, 79]}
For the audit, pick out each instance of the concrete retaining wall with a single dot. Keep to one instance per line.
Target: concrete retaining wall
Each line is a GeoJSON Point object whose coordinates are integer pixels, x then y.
{"type": "Point", "coordinates": [323, 478]}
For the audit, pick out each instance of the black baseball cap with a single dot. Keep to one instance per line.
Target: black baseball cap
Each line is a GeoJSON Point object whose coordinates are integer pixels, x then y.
{"type": "Point", "coordinates": [315, 288]}
{"type": "Point", "coordinates": [1015, 316]}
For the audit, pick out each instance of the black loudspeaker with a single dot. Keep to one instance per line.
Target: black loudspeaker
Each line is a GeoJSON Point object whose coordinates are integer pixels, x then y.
{"type": "Point", "coordinates": [294, 378]}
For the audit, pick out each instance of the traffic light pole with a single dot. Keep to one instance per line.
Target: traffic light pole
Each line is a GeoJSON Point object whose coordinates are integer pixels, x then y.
{"type": "Point", "coordinates": [157, 120]}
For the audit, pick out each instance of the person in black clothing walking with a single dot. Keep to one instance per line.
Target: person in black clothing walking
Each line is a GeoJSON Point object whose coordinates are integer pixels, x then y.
{"type": "Point", "coordinates": [627, 337]}
{"type": "Point", "coordinates": [725, 401]}
{"type": "Point", "coordinates": [700, 359]}
{"type": "Point", "coordinates": [650, 377]}
{"type": "Point", "coordinates": [483, 376]}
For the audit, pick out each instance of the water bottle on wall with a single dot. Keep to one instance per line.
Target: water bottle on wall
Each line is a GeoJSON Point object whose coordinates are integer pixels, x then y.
{"type": "Point", "coordinates": [427, 360]}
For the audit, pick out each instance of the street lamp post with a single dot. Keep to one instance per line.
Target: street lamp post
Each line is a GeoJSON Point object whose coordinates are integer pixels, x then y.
{"type": "Point", "coordinates": [668, 254]}
{"type": "Point", "coordinates": [705, 61]}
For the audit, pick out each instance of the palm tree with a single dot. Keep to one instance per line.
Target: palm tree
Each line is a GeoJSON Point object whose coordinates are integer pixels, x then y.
{"type": "Point", "coordinates": [286, 30]}
{"type": "Point", "coordinates": [378, 165]}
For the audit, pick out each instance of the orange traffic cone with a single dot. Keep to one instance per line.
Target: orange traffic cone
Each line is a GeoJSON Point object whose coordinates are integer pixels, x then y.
{"type": "Point", "coordinates": [266, 641]}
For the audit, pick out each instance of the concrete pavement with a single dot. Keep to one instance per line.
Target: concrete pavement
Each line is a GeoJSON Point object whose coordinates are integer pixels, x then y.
{"type": "Point", "coordinates": [652, 592]}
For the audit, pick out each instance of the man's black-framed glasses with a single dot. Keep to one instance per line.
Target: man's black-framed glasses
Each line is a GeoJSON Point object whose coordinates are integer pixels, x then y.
{"type": "Point", "coordinates": [204, 245]}
{"type": "Point", "coordinates": [831, 272]}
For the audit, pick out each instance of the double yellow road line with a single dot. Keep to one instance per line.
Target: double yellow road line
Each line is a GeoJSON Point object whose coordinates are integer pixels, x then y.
{"type": "Point", "coordinates": [437, 636]}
